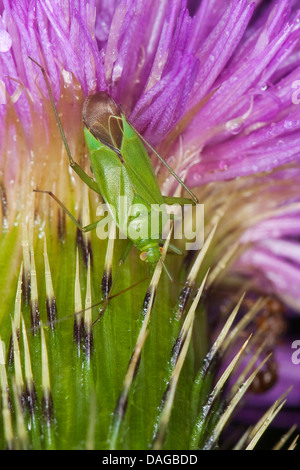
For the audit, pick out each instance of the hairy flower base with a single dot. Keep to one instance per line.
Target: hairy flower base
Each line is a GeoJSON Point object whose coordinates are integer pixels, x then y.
{"type": "Point", "coordinates": [89, 380]}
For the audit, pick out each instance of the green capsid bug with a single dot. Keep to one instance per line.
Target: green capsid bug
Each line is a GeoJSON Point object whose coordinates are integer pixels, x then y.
{"type": "Point", "coordinates": [122, 168]}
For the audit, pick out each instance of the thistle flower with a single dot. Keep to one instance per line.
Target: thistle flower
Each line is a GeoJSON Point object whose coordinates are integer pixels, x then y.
{"type": "Point", "coordinates": [212, 87]}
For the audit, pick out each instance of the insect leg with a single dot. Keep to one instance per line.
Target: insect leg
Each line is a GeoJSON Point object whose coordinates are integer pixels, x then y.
{"type": "Point", "coordinates": [126, 252]}
{"type": "Point", "coordinates": [178, 200]}
{"type": "Point", "coordinates": [77, 168]}
{"type": "Point", "coordinates": [91, 183]}
{"type": "Point", "coordinates": [167, 166]}
{"type": "Point", "coordinates": [87, 228]}
{"type": "Point", "coordinates": [174, 249]}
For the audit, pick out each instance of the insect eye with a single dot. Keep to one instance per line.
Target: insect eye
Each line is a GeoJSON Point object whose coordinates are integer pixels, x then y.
{"type": "Point", "coordinates": [144, 255]}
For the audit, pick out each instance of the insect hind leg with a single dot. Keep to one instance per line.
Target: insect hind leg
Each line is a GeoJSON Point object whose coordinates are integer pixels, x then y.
{"type": "Point", "coordinates": [83, 229]}
{"type": "Point", "coordinates": [77, 168]}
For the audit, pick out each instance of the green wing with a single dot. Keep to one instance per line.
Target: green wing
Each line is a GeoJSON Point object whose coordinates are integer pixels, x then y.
{"type": "Point", "coordinates": [139, 167]}
{"type": "Point", "coordinates": [132, 178]}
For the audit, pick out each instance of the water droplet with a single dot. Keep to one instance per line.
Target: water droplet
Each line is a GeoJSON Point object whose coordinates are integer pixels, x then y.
{"type": "Point", "coordinates": [264, 88]}
{"type": "Point", "coordinates": [5, 41]}
{"type": "Point", "coordinates": [233, 126]}
{"type": "Point", "coordinates": [223, 165]}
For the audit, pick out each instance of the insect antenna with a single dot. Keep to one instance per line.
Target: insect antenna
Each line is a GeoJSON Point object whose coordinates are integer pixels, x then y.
{"type": "Point", "coordinates": [167, 271]}
{"type": "Point", "coordinates": [54, 109]}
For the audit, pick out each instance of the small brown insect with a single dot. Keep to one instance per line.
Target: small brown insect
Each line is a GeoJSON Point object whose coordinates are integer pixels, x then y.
{"type": "Point", "coordinates": [271, 322]}
{"type": "Point", "coordinates": [266, 378]}
{"type": "Point", "coordinates": [270, 326]}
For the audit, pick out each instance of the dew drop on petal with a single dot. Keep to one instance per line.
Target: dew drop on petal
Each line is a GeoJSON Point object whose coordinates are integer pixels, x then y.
{"type": "Point", "coordinates": [223, 165]}
{"type": "Point", "coordinates": [5, 41]}
{"type": "Point", "coordinates": [41, 234]}
{"type": "Point", "coordinates": [233, 126]}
